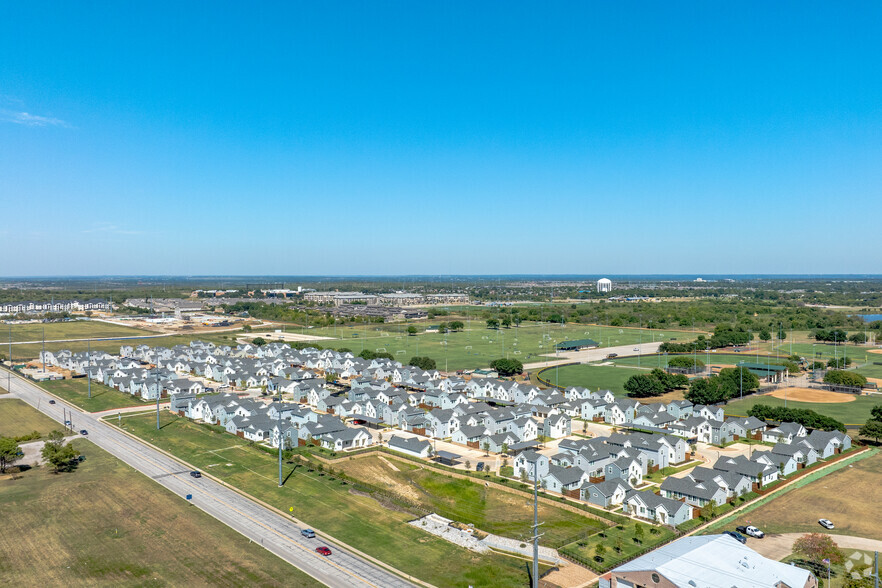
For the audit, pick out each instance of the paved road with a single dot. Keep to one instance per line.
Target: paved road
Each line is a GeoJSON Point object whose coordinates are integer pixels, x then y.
{"type": "Point", "coordinates": [597, 354]}
{"type": "Point", "coordinates": [275, 532]}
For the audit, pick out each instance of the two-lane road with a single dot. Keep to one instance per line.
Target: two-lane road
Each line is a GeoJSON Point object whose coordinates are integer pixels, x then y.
{"type": "Point", "coordinates": [277, 533]}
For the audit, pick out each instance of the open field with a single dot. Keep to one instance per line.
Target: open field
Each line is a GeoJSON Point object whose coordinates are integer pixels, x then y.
{"type": "Point", "coordinates": [490, 510]}
{"type": "Point", "coordinates": [107, 525]}
{"type": "Point", "coordinates": [67, 330]}
{"type": "Point", "coordinates": [850, 413]}
{"type": "Point", "coordinates": [725, 359]}
{"type": "Point", "coordinates": [593, 377]}
{"type": "Point", "coordinates": [620, 543]}
{"type": "Point", "coordinates": [17, 418]}
{"type": "Point", "coordinates": [76, 392]}
{"type": "Point", "coordinates": [812, 395]}
{"type": "Point", "coordinates": [824, 351]}
{"type": "Point", "coordinates": [846, 497]}
{"type": "Point", "coordinates": [378, 529]}
{"type": "Point", "coordinates": [32, 351]}
{"type": "Point", "coordinates": [477, 346]}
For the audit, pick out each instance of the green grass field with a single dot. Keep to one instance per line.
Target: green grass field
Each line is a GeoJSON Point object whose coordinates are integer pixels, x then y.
{"type": "Point", "coordinates": [621, 544]}
{"type": "Point", "coordinates": [851, 413]}
{"type": "Point", "coordinates": [593, 377]}
{"type": "Point", "coordinates": [17, 418]}
{"type": "Point", "coordinates": [658, 360]}
{"type": "Point", "coordinates": [477, 346]}
{"type": "Point", "coordinates": [67, 330]}
{"type": "Point", "coordinates": [107, 525]}
{"type": "Point", "coordinates": [103, 397]}
{"type": "Point", "coordinates": [467, 501]}
{"type": "Point", "coordinates": [359, 520]}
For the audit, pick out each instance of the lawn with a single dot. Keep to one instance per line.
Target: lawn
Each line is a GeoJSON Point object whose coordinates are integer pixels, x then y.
{"type": "Point", "coordinates": [67, 330]}
{"type": "Point", "coordinates": [17, 418]}
{"type": "Point", "coordinates": [659, 360]}
{"type": "Point", "coordinates": [851, 413]}
{"type": "Point", "coordinates": [378, 529]}
{"type": "Point", "coordinates": [76, 392]}
{"type": "Point", "coordinates": [844, 496]}
{"type": "Point", "coordinates": [477, 346]}
{"type": "Point", "coordinates": [621, 543]}
{"type": "Point", "coordinates": [593, 377]}
{"type": "Point", "coordinates": [491, 510]}
{"type": "Point", "coordinates": [85, 529]}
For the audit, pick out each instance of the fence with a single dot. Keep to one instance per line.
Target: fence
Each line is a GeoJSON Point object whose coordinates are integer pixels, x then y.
{"type": "Point", "coordinates": [548, 383]}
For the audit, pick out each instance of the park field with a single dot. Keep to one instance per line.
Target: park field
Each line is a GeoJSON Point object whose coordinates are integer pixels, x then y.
{"type": "Point", "coordinates": [17, 418]}
{"type": "Point", "coordinates": [476, 346]}
{"type": "Point", "coordinates": [378, 529]}
{"type": "Point", "coordinates": [468, 501]}
{"type": "Point", "coordinates": [84, 528]}
{"type": "Point", "coordinates": [844, 496]}
{"type": "Point", "coordinates": [591, 376]}
{"type": "Point", "coordinates": [855, 412]}
{"type": "Point", "coordinates": [76, 391]}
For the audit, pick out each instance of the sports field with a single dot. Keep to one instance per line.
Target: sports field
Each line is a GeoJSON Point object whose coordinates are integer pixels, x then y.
{"type": "Point", "coordinates": [843, 496]}
{"type": "Point", "coordinates": [107, 525]}
{"type": "Point", "coordinates": [477, 346]}
{"type": "Point", "coordinates": [103, 397]}
{"type": "Point", "coordinates": [852, 410]}
{"type": "Point", "coordinates": [378, 529]}
{"type": "Point", "coordinates": [591, 376]}
{"type": "Point", "coordinates": [17, 418]}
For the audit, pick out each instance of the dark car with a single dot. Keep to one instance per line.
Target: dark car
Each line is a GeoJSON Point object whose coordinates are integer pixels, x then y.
{"type": "Point", "coordinates": [196, 474]}
{"type": "Point", "coordinates": [736, 536]}
{"type": "Point", "coordinates": [308, 533]}
{"type": "Point", "coordinates": [479, 467]}
{"type": "Point", "coordinates": [81, 458]}
{"type": "Point", "coordinates": [51, 401]}
{"type": "Point", "coordinates": [84, 432]}
{"type": "Point", "coordinates": [323, 550]}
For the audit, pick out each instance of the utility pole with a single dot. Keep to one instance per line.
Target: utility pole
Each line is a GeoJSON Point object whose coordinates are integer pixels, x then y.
{"type": "Point", "coordinates": [43, 354]}
{"type": "Point", "coordinates": [89, 368]}
{"type": "Point", "coordinates": [536, 533]}
{"type": "Point", "coordinates": [279, 423]}
{"type": "Point", "coordinates": [158, 391]}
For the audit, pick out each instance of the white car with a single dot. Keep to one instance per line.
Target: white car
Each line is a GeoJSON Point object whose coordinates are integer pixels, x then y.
{"type": "Point", "coordinates": [636, 349]}
{"type": "Point", "coordinates": [751, 531]}
{"type": "Point", "coordinates": [826, 523]}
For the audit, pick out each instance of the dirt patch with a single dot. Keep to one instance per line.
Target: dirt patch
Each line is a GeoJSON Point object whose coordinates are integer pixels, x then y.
{"type": "Point", "coordinates": [387, 504]}
{"type": "Point", "coordinates": [879, 351]}
{"type": "Point", "coordinates": [388, 463]}
{"type": "Point", "coordinates": [812, 395]}
{"type": "Point", "coordinates": [569, 575]}
{"type": "Point", "coordinates": [877, 381]}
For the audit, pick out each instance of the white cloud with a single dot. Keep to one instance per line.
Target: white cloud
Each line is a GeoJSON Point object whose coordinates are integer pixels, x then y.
{"type": "Point", "coordinates": [112, 230]}
{"type": "Point", "coordinates": [31, 120]}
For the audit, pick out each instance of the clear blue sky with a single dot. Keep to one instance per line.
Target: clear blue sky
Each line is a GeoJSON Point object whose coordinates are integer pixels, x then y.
{"type": "Point", "coordinates": [440, 138]}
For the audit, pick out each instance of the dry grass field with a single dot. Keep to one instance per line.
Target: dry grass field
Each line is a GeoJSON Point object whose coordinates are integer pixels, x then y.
{"type": "Point", "coordinates": [846, 497]}
{"type": "Point", "coordinates": [106, 525]}
{"type": "Point", "coordinates": [18, 418]}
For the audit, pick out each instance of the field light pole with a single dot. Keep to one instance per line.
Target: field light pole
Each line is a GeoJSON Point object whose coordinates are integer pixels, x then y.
{"type": "Point", "coordinates": [89, 374]}
{"type": "Point", "coordinates": [158, 393]}
{"type": "Point", "coordinates": [280, 438]}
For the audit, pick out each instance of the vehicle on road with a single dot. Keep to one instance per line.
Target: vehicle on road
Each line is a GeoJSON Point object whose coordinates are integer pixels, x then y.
{"type": "Point", "coordinates": [736, 536]}
{"type": "Point", "coordinates": [308, 533]}
{"type": "Point", "coordinates": [750, 531]}
{"type": "Point", "coordinates": [612, 355]}
{"type": "Point", "coordinates": [826, 523]}
{"type": "Point", "coordinates": [323, 550]}
{"type": "Point", "coordinates": [84, 432]}
{"type": "Point", "coordinates": [479, 467]}
{"type": "Point", "coordinates": [51, 401]}
{"type": "Point", "coordinates": [636, 349]}
{"type": "Point", "coordinates": [196, 474]}
{"type": "Point", "coordinates": [67, 423]}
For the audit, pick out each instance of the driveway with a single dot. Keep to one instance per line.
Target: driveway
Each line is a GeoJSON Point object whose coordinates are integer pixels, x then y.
{"type": "Point", "coordinates": [780, 545]}
{"type": "Point", "coordinates": [33, 451]}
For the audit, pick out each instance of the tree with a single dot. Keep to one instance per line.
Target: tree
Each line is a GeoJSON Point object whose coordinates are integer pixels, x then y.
{"type": "Point", "coordinates": [638, 532]}
{"type": "Point", "coordinates": [765, 335]}
{"type": "Point", "coordinates": [685, 361]}
{"type": "Point", "coordinates": [712, 390]}
{"type": "Point", "coordinates": [442, 327]}
{"type": "Point", "coordinates": [523, 475]}
{"type": "Point", "coordinates": [504, 449]}
{"type": "Point", "coordinates": [506, 321]}
{"type": "Point", "coordinates": [486, 447]}
{"type": "Point", "coordinates": [839, 362]}
{"type": "Point", "coordinates": [740, 378]}
{"type": "Point", "coordinates": [507, 367]}
{"type": "Point", "coordinates": [876, 412]}
{"type": "Point", "coordinates": [468, 465]}
{"type": "Point", "coordinates": [844, 378]}
{"type": "Point", "coordinates": [816, 547]}
{"type": "Point", "coordinates": [599, 552]}
{"type": "Point", "coordinates": [259, 341]}
{"type": "Point", "coordinates": [9, 452]}
{"type": "Point", "coordinates": [456, 326]}
{"type": "Point", "coordinates": [872, 429]}
{"type": "Point", "coordinates": [246, 329]}
{"type": "Point", "coordinates": [858, 338]}
{"type": "Point", "coordinates": [411, 330]}
{"type": "Point", "coordinates": [492, 323]}
{"type": "Point", "coordinates": [618, 544]}
{"type": "Point", "coordinates": [643, 386]}
{"type": "Point", "coordinates": [422, 362]}
{"type": "Point", "coordinates": [58, 454]}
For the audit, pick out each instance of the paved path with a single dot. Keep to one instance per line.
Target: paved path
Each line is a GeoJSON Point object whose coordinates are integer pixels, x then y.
{"type": "Point", "coordinates": [590, 355]}
{"type": "Point", "coordinates": [277, 533]}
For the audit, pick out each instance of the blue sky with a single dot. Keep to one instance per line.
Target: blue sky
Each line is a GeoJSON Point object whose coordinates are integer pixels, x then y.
{"type": "Point", "coordinates": [440, 138]}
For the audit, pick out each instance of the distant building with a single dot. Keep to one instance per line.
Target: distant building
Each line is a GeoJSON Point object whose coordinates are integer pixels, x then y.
{"type": "Point", "coordinates": [604, 285]}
